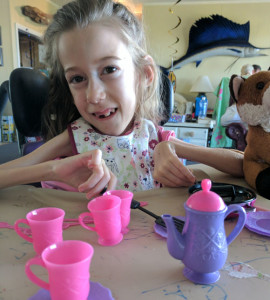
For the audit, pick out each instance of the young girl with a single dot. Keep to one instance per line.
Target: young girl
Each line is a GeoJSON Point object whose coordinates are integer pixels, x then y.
{"type": "Point", "coordinates": [105, 96]}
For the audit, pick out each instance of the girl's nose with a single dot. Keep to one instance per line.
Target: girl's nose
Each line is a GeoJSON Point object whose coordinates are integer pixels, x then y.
{"type": "Point", "coordinates": [95, 91]}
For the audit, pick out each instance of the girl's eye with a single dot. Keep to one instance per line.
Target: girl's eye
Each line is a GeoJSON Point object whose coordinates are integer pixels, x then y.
{"type": "Point", "coordinates": [109, 70]}
{"type": "Point", "coordinates": [76, 79]}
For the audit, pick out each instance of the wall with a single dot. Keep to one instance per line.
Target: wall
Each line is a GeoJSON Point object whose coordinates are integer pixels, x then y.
{"type": "Point", "coordinates": [158, 21]}
{"type": "Point", "coordinates": [10, 14]}
{"type": "Point", "coordinates": [6, 44]}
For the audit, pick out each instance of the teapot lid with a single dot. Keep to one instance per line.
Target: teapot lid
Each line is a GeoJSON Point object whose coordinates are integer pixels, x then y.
{"type": "Point", "coordinates": [206, 200]}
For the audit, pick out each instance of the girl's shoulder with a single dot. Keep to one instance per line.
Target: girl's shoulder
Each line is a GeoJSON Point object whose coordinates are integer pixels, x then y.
{"type": "Point", "coordinates": [144, 124]}
{"type": "Point", "coordinates": [147, 126]}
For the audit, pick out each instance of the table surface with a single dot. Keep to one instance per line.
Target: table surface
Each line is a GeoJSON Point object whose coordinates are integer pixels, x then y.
{"type": "Point", "coordinates": [140, 267]}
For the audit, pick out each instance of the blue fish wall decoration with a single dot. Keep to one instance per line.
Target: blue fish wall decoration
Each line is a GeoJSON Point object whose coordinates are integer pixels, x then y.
{"type": "Point", "coordinates": [217, 36]}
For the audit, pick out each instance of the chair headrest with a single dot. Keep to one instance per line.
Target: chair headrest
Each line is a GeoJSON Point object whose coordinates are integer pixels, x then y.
{"type": "Point", "coordinates": [29, 90]}
{"type": "Point", "coordinates": [167, 97]}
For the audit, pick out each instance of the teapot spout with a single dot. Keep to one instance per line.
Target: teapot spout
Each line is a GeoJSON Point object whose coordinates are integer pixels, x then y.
{"type": "Point", "coordinates": [175, 240]}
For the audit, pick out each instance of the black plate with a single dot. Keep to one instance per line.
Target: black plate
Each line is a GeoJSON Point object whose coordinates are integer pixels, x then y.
{"type": "Point", "coordinates": [230, 193]}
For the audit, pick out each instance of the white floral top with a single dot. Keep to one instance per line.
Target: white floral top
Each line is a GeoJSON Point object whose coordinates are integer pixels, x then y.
{"type": "Point", "coordinates": [129, 157]}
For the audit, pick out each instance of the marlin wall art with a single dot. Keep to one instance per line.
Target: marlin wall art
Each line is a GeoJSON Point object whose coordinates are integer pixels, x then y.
{"type": "Point", "coordinates": [217, 36]}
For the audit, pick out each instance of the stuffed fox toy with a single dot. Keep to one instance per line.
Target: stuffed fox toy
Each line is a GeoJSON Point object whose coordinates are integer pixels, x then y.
{"type": "Point", "coordinates": [252, 97]}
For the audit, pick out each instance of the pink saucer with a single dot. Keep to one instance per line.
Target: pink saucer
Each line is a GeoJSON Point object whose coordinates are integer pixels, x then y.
{"type": "Point", "coordinates": [97, 292]}
{"type": "Point", "coordinates": [162, 231]}
{"type": "Point", "coordinates": [259, 222]}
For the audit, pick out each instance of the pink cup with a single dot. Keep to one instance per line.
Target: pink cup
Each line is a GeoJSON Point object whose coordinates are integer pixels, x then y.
{"type": "Point", "coordinates": [126, 198]}
{"type": "Point", "coordinates": [46, 226]}
{"type": "Point", "coordinates": [68, 266]}
{"type": "Point", "coordinates": [105, 210]}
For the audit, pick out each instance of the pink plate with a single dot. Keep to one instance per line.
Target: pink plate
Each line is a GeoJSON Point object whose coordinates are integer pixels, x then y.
{"type": "Point", "coordinates": [97, 292]}
{"type": "Point", "coordinates": [259, 222]}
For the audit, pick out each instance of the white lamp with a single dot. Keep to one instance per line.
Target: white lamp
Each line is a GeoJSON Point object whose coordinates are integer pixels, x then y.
{"type": "Point", "coordinates": [202, 85]}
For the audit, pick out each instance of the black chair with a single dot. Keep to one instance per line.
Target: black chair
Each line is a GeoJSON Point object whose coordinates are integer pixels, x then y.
{"type": "Point", "coordinates": [167, 96]}
{"type": "Point", "coordinates": [29, 90]}
{"type": "Point", "coordinates": [4, 96]}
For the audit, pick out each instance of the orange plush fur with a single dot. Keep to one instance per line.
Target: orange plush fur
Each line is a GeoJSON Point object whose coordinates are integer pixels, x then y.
{"type": "Point", "coordinates": [252, 96]}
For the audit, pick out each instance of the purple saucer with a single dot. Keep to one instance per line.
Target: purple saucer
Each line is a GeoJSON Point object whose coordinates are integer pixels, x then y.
{"type": "Point", "coordinates": [97, 292]}
{"type": "Point", "coordinates": [259, 222]}
{"type": "Point", "coordinates": [162, 231]}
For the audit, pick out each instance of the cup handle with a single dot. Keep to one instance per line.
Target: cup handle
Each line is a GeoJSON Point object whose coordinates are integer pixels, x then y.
{"type": "Point", "coordinates": [81, 221]}
{"type": "Point", "coordinates": [36, 261]}
{"type": "Point", "coordinates": [240, 222]}
{"type": "Point", "coordinates": [20, 233]}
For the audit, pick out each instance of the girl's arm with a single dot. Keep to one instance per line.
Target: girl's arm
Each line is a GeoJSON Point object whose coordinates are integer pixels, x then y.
{"type": "Point", "coordinates": [225, 160]}
{"type": "Point", "coordinates": [59, 146]}
{"type": "Point", "coordinates": [170, 171]}
{"type": "Point", "coordinates": [86, 171]}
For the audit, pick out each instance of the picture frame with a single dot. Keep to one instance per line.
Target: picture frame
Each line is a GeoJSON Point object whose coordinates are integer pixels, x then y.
{"type": "Point", "coordinates": [0, 37]}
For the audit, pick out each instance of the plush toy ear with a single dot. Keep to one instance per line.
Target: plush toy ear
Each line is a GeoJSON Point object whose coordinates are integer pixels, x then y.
{"type": "Point", "coordinates": [234, 85]}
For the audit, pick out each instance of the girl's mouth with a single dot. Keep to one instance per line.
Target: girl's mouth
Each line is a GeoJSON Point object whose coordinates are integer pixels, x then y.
{"type": "Point", "coordinates": [106, 113]}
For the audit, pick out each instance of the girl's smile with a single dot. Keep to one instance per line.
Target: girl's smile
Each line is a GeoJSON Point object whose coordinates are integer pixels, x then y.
{"type": "Point", "coordinates": [106, 113]}
{"type": "Point", "coordinates": [101, 77]}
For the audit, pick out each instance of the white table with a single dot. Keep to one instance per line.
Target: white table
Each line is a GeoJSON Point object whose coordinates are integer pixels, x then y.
{"type": "Point", "coordinates": [140, 267]}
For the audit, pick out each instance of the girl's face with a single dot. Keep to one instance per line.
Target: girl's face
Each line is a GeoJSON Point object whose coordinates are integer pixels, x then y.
{"type": "Point", "coordinates": [101, 76]}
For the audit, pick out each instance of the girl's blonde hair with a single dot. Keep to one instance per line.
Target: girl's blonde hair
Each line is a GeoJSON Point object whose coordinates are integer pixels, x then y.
{"type": "Point", "coordinates": [60, 109]}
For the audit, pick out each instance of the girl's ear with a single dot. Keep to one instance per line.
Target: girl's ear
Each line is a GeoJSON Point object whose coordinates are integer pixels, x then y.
{"type": "Point", "coordinates": [148, 69]}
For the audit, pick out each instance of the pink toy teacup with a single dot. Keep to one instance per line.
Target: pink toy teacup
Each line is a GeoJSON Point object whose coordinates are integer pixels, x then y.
{"type": "Point", "coordinates": [68, 266]}
{"type": "Point", "coordinates": [126, 198]}
{"type": "Point", "coordinates": [105, 211]}
{"type": "Point", "coordinates": [46, 225]}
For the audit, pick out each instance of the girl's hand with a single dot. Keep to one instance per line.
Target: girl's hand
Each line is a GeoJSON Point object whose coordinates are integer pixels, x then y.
{"type": "Point", "coordinates": [87, 172]}
{"type": "Point", "coordinates": [169, 170]}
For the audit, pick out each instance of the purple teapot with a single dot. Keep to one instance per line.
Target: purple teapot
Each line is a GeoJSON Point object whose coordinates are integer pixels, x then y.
{"type": "Point", "coordinates": [203, 245]}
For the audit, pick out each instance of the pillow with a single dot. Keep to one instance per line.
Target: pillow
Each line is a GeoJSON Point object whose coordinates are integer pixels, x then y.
{"type": "Point", "coordinates": [179, 104]}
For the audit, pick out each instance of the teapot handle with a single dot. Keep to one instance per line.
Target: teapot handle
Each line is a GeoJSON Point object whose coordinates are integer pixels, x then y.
{"type": "Point", "coordinates": [240, 222]}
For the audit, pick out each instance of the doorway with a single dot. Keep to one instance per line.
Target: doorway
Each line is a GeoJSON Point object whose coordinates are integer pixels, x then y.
{"type": "Point", "coordinates": [30, 49]}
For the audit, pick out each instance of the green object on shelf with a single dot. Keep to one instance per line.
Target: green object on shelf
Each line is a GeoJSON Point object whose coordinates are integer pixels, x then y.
{"type": "Point", "coordinates": [219, 138]}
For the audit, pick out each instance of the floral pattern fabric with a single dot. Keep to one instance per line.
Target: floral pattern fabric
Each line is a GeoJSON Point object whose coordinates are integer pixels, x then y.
{"type": "Point", "coordinates": [129, 157]}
